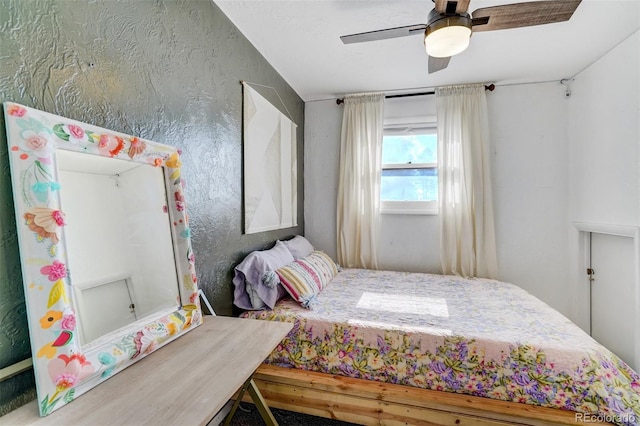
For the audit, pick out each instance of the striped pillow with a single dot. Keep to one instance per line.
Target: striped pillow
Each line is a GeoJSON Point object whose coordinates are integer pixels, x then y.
{"type": "Point", "coordinates": [306, 277]}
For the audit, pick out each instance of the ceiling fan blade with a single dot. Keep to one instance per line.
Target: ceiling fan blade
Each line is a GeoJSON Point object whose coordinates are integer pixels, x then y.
{"type": "Point", "coordinates": [440, 5]}
{"type": "Point", "coordinates": [437, 64]}
{"type": "Point", "coordinates": [518, 15]}
{"type": "Point", "coordinates": [384, 34]}
{"type": "Point", "coordinates": [463, 6]}
{"type": "Point", "coordinates": [451, 6]}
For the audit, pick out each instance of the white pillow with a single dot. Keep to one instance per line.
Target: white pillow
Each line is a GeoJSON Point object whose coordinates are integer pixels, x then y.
{"type": "Point", "coordinates": [299, 247]}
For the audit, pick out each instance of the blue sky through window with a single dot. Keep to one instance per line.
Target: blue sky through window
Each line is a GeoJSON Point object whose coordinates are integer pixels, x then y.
{"type": "Point", "coordinates": [409, 184]}
{"type": "Point", "coordinates": [402, 149]}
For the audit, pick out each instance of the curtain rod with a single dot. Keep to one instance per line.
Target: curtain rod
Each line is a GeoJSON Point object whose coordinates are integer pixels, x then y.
{"type": "Point", "coordinates": [491, 87]}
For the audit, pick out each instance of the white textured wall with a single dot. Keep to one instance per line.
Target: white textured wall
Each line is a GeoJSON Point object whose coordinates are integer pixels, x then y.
{"type": "Point", "coordinates": [604, 133]}
{"type": "Point", "coordinates": [528, 125]}
{"type": "Point", "coordinates": [323, 121]}
{"type": "Point", "coordinates": [605, 138]}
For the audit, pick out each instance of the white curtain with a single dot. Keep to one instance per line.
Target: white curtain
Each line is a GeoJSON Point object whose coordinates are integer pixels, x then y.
{"type": "Point", "coordinates": [359, 184]}
{"type": "Point", "coordinates": [467, 231]}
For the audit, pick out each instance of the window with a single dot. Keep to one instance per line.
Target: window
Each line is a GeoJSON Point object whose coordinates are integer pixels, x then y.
{"type": "Point", "coordinates": [409, 183]}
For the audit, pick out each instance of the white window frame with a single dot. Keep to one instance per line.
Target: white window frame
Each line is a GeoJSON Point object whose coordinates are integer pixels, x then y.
{"type": "Point", "coordinates": [409, 207]}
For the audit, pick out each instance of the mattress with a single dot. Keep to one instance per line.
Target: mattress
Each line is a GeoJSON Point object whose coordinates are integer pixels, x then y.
{"type": "Point", "coordinates": [473, 336]}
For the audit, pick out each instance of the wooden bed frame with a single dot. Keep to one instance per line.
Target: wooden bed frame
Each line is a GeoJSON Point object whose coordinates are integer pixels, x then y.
{"type": "Point", "coordinates": [373, 403]}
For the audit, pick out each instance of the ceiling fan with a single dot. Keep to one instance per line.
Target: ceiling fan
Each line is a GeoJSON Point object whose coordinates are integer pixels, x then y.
{"type": "Point", "coordinates": [449, 25]}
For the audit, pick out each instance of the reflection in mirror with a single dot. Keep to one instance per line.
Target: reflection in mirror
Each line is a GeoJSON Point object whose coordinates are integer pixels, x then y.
{"type": "Point", "coordinates": [121, 258]}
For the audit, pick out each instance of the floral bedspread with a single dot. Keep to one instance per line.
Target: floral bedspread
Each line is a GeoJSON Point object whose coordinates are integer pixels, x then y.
{"type": "Point", "coordinates": [474, 336]}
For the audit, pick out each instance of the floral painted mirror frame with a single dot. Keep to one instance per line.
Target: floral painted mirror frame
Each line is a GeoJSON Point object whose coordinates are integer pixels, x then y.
{"type": "Point", "coordinates": [63, 370]}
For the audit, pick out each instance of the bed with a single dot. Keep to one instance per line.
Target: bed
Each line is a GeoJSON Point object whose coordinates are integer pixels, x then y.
{"type": "Point", "coordinates": [382, 347]}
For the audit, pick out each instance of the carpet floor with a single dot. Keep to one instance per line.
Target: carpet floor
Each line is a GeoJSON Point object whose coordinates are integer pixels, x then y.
{"type": "Point", "coordinates": [247, 415]}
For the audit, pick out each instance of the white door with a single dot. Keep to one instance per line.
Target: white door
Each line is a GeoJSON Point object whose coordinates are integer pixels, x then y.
{"type": "Point", "coordinates": [106, 308]}
{"type": "Point", "coordinates": [613, 315]}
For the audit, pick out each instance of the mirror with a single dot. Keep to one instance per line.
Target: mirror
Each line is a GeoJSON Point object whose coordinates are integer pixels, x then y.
{"type": "Point", "coordinates": [107, 264]}
{"type": "Point", "coordinates": [119, 242]}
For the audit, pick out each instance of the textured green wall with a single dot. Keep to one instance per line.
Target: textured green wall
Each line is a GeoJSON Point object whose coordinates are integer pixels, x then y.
{"type": "Point", "coordinates": [168, 71]}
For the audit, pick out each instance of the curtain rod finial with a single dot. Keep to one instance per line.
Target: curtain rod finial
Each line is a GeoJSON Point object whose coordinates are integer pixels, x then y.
{"type": "Point", "coordinates": [339, 101]}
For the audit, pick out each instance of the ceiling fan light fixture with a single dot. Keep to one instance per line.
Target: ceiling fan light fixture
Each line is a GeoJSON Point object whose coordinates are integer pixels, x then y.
{"type": "Point", "coordinates": [447, 36]}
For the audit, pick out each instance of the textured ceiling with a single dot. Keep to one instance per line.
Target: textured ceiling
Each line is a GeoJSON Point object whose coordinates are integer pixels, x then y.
{"type": "Point", "coordinates": [301, 40]}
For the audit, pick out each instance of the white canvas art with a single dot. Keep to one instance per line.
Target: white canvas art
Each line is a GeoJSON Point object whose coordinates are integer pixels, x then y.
{"type": "Point", "coordinates": [270, 166]}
